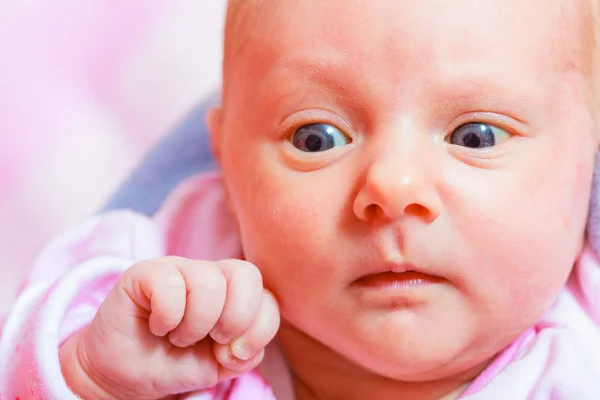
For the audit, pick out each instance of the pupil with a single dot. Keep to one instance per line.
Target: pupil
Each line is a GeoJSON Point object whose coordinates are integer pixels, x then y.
{"type": "Point", "coordinates": [472, 140]}
{"type": "Point", "coordinates": [313, 143]}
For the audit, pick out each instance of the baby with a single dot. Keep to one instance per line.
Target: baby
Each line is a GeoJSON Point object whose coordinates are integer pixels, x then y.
{"type": "Point", "coordinates": [407, 183]}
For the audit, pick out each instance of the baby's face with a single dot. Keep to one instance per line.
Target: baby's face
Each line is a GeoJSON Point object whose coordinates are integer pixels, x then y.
{"type": "Point", "coordinates": [452, 138]}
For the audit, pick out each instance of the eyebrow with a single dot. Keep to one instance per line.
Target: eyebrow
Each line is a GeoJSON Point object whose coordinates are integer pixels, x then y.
{"type": "Point", "coordinates": [320, 70]}
{"type": "Point", "coordinates": [324, 72]}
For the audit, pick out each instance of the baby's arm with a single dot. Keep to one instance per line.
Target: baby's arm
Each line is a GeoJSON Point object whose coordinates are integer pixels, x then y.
{"type": "Point", "coordinates": [64, 290]}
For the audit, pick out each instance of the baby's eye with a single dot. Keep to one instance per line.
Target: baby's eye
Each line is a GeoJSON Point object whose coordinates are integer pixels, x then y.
{"type": "Point", "coordinates": [476, 135]}
{"type": "Point", "coordinates": [315, 138]}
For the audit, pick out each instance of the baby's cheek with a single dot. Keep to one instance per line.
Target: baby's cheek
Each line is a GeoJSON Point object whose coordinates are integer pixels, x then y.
{"type": "Point", "coordinates": [548, 241]}
{"type": "Point", "coordinates": [522, 254]}
{"type": "Point", "coordinates": [282, 229]}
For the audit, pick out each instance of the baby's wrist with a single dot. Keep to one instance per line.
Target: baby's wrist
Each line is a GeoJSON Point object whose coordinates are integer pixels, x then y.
{"type": "Point", "coordinates": [76, 371]}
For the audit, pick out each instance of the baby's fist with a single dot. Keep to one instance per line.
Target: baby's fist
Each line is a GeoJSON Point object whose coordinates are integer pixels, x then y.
{"type": "Point", "coordinates": [172, 326]}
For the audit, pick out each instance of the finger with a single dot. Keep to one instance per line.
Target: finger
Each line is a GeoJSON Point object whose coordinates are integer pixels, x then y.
{"type": "Point", "coordinates": [207, 289]}
{"type": "Point", "coordinates": [232, 366]}
{"type": "Point", "coordinates": [160, 290]}
{"type": "Point", "coordinates": [261, 332]}
{"type": "Point", "coordinates": [244, 294]}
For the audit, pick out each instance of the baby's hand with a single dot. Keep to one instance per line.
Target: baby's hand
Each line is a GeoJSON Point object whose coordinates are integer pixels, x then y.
{"type": "Point", "coordinates": [172, 326]}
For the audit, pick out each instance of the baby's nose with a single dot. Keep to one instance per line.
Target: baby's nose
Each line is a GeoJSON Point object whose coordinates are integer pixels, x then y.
{"type": "Point", "coordinates": [399, 183]}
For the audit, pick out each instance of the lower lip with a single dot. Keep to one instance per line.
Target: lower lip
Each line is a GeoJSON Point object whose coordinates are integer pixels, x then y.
{"type": "Point", "coordinates": [390, 290]}
{"type": "Point", "coordinates": [398, 281]}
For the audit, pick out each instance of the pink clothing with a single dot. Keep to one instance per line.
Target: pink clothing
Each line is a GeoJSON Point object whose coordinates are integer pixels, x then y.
{"type": "Point", "coordinates": [557, 359]}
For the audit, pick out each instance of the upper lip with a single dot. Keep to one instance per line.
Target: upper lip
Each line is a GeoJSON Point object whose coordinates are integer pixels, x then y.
{"type": "Point", "coordinates": [388, 253]}
{"type": "Point", "coordinates": [396, 267]}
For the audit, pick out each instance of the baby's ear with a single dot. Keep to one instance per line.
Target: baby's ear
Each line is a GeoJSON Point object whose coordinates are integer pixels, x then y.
{"type": "Point", "coordinates": [215, 125]}
{"type": "Point", "coordinates": [214, 121]}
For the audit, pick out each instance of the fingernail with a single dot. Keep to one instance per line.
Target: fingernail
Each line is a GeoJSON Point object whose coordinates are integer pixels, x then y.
{"type": "Point", "coordinates": [226, 357]}
{"type": "Point", "coordinates": [242, 350]}
{"type": "Point", "coordinates": [220, 338]}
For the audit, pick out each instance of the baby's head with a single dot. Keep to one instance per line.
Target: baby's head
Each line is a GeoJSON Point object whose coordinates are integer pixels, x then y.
{"type": "Point", "coordinates": [456, 139]}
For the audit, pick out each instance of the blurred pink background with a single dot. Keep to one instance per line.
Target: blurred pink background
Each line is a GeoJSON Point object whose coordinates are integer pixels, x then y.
{"type": "Point", "coordinates": [85, 88]}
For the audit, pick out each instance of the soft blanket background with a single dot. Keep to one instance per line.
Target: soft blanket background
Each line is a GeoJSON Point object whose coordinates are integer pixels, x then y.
{"type": "Point", "coordinates": [86, 87]}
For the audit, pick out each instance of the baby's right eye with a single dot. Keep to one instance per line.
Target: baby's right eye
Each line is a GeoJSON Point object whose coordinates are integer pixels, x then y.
{"type": "Point", "coordinates": [314, 138]}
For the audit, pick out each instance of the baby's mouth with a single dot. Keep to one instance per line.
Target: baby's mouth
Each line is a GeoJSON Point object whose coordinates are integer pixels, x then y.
{"type": "Point", "coordinates": [397, 280]}
{"type": "Point", "coordinates": [397, 286]}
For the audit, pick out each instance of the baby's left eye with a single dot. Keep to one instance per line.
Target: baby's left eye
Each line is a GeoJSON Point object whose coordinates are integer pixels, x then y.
{"type": "Point", "coordinates": [315, 138]}
{"type": "Point", "coordinates": [477, 135]}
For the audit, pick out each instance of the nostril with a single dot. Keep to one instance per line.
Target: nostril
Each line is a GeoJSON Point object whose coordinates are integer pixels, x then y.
{"type": "Point", "coordinates": [373, 211]}
{"type": "Point", "coordinates": [417, 210]}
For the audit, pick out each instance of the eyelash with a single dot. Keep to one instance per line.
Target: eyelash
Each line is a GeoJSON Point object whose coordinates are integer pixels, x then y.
{"type": "Point", "coordinates": [487, 118]}
{"type": "Point", "coordinates": [291, 124]}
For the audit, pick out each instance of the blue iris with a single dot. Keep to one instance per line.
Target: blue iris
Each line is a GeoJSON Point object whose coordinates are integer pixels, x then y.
{"type": "Point", "coordinates": [476, 135]}
{"type": "Point", "coordinates": [314, 138]}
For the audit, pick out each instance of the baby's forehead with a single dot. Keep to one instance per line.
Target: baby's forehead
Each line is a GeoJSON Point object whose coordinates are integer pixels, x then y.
{"type": "Point", "coordinates": [573, 25]}
{"type": "Point", "coordinates": [576, 12]}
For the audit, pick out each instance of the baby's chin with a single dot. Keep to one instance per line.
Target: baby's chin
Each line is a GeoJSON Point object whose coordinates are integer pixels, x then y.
{"type": "Point", "coordinates": [421, 364]}
{"type": "Point", "coordinates": [410, 354]}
